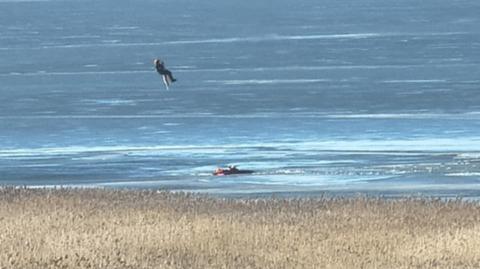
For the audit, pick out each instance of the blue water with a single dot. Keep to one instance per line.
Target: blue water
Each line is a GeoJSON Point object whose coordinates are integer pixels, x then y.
{"type": "Point", "coordinates": [314, 95]}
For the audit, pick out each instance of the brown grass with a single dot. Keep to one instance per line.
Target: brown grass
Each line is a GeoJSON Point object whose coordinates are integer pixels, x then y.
{"type": "Point", "coordinates": [94, 228]}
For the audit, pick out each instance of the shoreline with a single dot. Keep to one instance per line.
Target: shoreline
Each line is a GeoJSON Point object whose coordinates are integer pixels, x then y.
{"type": "Point", "coordinates": [245, 191]}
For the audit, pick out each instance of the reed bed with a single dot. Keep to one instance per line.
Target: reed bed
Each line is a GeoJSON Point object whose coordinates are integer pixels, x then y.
{"type": "Point", "coordinates": [94, 228]}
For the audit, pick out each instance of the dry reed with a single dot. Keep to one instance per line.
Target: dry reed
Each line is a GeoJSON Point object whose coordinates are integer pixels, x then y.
{"type": "Point", "coordinates": [92, 228]}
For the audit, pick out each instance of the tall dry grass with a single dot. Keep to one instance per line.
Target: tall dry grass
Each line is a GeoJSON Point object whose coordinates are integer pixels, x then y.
{"type": "Point", "coordinates": [94, 228]}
